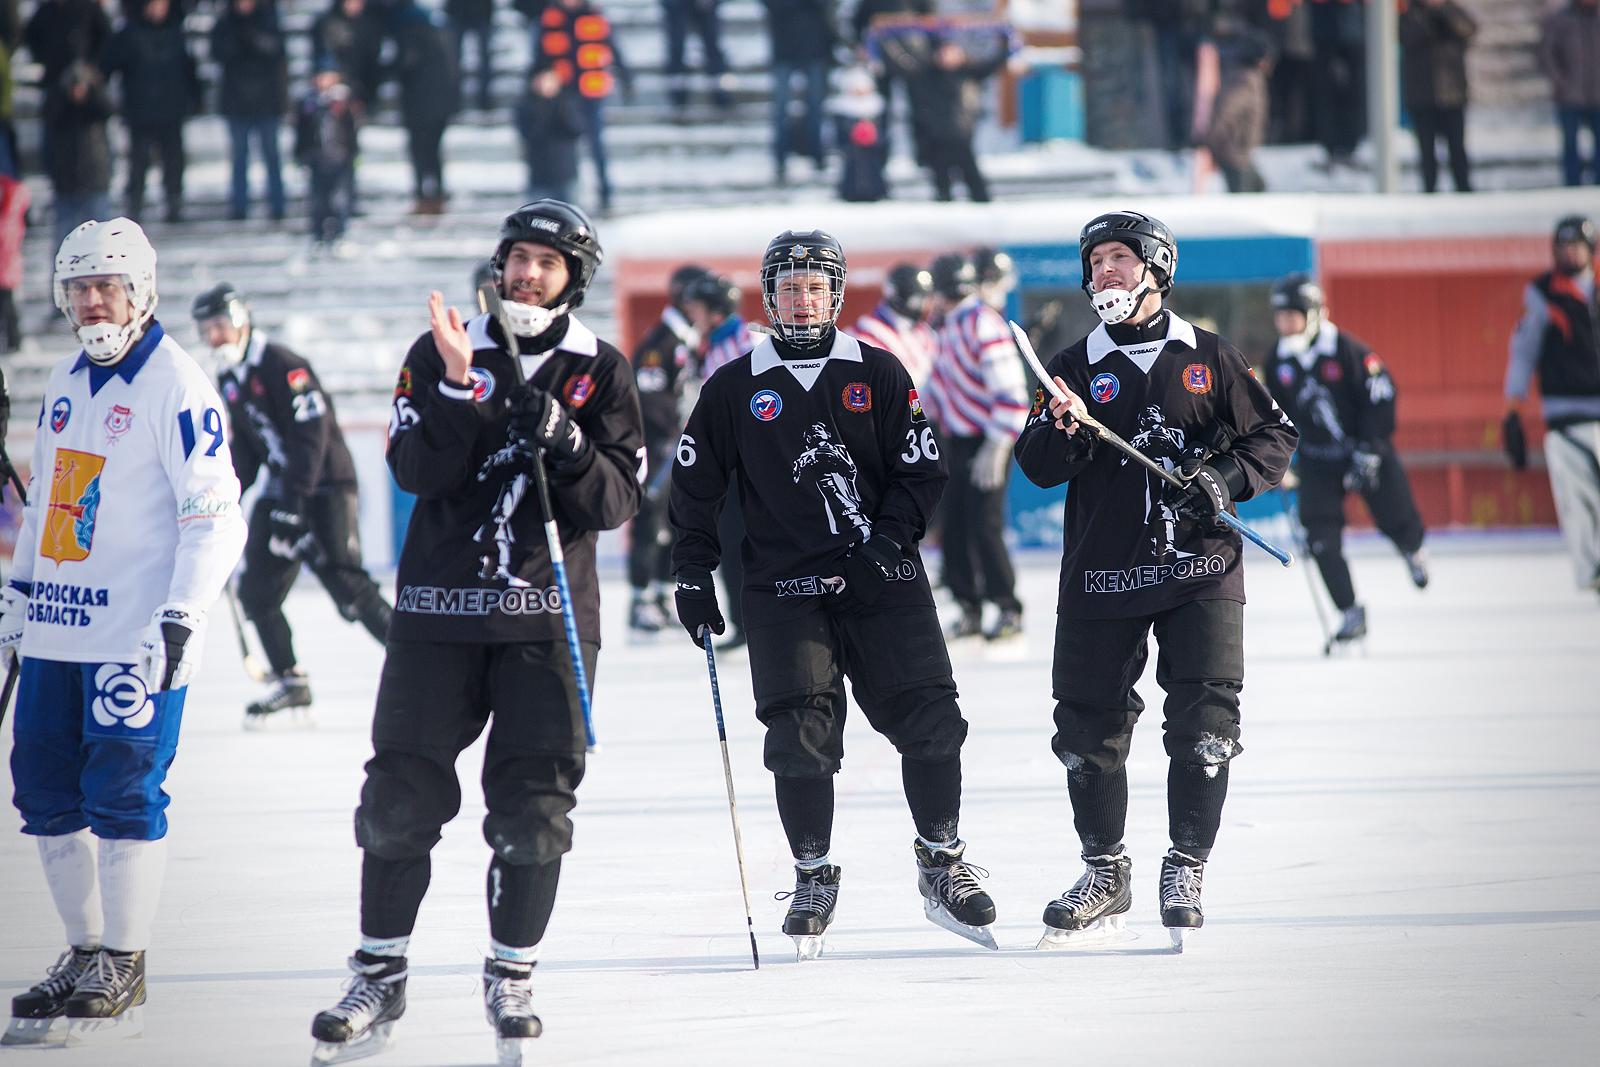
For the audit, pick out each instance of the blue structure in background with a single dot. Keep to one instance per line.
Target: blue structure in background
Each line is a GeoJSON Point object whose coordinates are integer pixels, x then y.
{"type": "Point", "coordinates": [1034, 515]}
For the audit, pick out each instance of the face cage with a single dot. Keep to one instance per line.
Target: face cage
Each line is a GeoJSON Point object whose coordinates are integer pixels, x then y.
{"type": "Point", "coordinates": [811, 334]}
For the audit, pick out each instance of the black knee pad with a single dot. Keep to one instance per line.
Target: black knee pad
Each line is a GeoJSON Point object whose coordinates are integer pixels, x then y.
{"type": "Point", "coordinates": [1202, 724]}
{"type": "Point", "coordinates": [805, 735]}
{"type": "Point", "coordinates": [405, 801]}
{"type": "Point", "coordinates": [1093, 740]}
{"type": "Point", "coordinates": [530, 798]}
{"type": "Point", "coordinates": [924, 723]}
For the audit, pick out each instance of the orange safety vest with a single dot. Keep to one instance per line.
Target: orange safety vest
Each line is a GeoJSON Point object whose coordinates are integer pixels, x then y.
{"type": "Point", "coordinates": [577, 49]}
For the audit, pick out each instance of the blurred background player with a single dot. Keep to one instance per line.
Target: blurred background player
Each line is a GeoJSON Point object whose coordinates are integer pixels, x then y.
{"type": "Point", "coordinates": [131, 530]}
{"type": "Point", "coordinates": [840, 470]}
{"type": "Point", "coordinates": [1142, 556]}
{"type": "Point", "coordinates": [283, 421]}
{"type": "Point", "coordinates": [982, 400]}
{"type": "Point", "coordinates": [1558, 339]}
{"type": "Point", "coordinates": [1342, 400]}
{"type": "Point", "coordinates": [662, 368]}
{"type": "Point", "coordinates": [898, 324]}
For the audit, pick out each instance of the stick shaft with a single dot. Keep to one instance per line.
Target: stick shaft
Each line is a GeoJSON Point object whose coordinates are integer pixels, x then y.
{"type": "Point", "coordinates": [733, 806]}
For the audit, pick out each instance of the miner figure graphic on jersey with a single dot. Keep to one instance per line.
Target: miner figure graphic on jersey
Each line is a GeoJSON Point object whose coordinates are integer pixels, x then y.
{"type": "Point", "coordinates": [829, 467]}
{"type": "Point", "coordinates": [1165, 445]}
{"type": "Point", "coordinates": [497, 564]}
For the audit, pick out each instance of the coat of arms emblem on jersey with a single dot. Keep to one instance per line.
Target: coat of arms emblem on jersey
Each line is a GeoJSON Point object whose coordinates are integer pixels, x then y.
{"type": "Point", "coordinates": [74, 501]}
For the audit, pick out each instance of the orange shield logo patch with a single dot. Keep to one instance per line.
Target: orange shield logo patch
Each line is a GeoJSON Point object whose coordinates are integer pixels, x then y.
{"type": "Point", "coordinates": [74, 501]}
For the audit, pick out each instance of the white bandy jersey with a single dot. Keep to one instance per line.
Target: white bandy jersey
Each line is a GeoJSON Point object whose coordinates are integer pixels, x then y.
{"type": "Point", "coordinates": [132, 503]}
{"type": "Point", "coordinates": [911, 342]}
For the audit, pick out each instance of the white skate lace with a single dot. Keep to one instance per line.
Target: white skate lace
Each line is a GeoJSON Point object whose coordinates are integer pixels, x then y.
{"type": "Point", "coordinates": [362, 1001]}
{"type": "Point", "coordinates": [811, 895]}
{"type": "Point", "coordinates": [510, 998]}
{"type": "Point", "coordinates": [62, 976]}
{"type": "Point", "coordinates": [956, 883]}
{"type": "Point", "coordinates": [105, 974]}
{"type": "Point", "coordinates": [1098, 883]}
{"type": "Point", "coordinates": [1180, 885]}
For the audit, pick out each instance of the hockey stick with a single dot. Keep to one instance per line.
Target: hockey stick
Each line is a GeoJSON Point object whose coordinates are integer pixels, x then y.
{"type": "Point", "coordinates": [1299, 534]}
{"type": "Point", "coordinates": [1110, 438]}
{"type": "Point", "coordinates": [15, 670]}
{"type": "Point", "coordinates": [11, 685]}
{"type": "Point", "coordinates": [252, 666]}
{"type": "Point", "coordinates": [727, 776]}
{"type": "Point", "coordinates": [489, 301]}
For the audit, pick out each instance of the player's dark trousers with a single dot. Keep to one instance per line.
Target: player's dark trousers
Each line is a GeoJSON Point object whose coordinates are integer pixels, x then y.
{"type": "Point", "coordinates": [145, 143]}
{"type": "Point", "coordinates": [649, 535]}
{"type": "Point", "coordinates": [1322, 495]}
{"type": "Point", "coordinates": [802, 649]}
{"type": "Point", "coordinates": [977, 564]}
{"type": "Point", "coordinates": [433, 701]}
{"type": "Point", "coordinates": [334, 557]}
{"type": "Point", "coordinates": [1200, 666]}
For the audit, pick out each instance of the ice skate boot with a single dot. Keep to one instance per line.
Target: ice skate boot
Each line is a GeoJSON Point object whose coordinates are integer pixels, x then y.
{"type": "Point", "coordinates": [107, 1004]}
{"type": "Point", "coordinates": [951, 896]}
{"type": "Point", "coordinates": [645, 620]}
{"type": "Point", "coordinates": [1181, 914]}
{"type": "Point", "coordinates": [1006, 628]}
{"type": "Point", "coordinates": [508, 1005]}
{"type": "Point", "coordinates": [286, 704]}
{"type": "Point", "coordinates": [969, 625]}
{"type": "Point", "coordinates": [1095, 909]}
{"type": "Point", "coordinates": [811, 905]}
{"type": "Point", "coordinates": [1417, 565]}
{"type": "Point", "coordinates": [38, 1016]}
{"type": "Point", "coordinates": [1352, 628]}
{"type": "Point", "coordinates": [359, 1025]}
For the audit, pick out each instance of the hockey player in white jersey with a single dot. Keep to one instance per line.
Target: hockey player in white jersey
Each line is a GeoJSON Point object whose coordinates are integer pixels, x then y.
{"type": "Point", "coordinates": [131, 529]}
{"type": "Point", "coordinates": [899, 326]}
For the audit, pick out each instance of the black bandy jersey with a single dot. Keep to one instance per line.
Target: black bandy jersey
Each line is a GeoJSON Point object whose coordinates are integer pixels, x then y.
{"type": "Point", "coordinates": [282, 419]}
{"type": "Point", "coordinates": [474, 566]}
{"type": "Point", "coordinates": [1127, 551]}
{"type": "Point", "coordinates": [1337, 392]}
{"type": "Point", "coordinates": [660, 369]}
{"type": "Point", "coordinates": [827, 452]}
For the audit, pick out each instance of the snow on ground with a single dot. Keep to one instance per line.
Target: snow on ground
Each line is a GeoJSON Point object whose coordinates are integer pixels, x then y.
{"type": "Point", "coordinates": [1405, 873]}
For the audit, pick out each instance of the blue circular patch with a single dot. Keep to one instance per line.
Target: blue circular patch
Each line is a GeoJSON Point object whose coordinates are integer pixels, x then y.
{"type": "Point", "coordinates": [60, 412]}
{"type": "Point", "coordinates": [1105, 387]}
{"type": "Point", "coordinates": [482, 384]}
{"type": "Point", "coordinates": [766, 405]}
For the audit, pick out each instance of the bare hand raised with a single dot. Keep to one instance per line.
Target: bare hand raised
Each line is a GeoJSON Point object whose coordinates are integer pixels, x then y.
{"type": "Point", "coordinates": [450, 338]}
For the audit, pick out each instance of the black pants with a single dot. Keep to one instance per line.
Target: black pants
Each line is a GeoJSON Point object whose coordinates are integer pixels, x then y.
{"type": "Point", "coordinates": [1201, 668]}
{"type": "Point", "coordinates": [949, 155]}
{"type": "Point", "coordinates": [1449, 123]}
{"type": "Point", "coordinates": [977, 564]}
{"type": "Point", "coordinates": [1322, 495]}
{"type": "Point", "coordinates": [335, 558]}
{"type": "Point", "coordinates": [650, 535]}
{"type": "Point", "coordinates": [423, 141]}
{"type": "Point", "coordinates": [433, 701]}
{"type": "Point", "coordinates": [145, 143]}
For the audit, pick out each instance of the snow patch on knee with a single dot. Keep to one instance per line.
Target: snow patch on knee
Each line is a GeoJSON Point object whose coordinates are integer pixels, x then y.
{"type": "Point", "coordinates": [1213, 750]}
{"type": "Point", "coordinates": [1073, 762]}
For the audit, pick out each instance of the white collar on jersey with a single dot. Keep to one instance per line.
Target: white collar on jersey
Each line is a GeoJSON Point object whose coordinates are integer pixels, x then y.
{"type": "Point", "coordinates": [580, 341]}
{"type": "Point", "coordinates": [764, 357]}
{"type": "Point", "coordinates": [257, 346]}
{"type": "Point", "coordinates": [1143, 356]}
{"type": "Point", "coordinates": [1326, 343]}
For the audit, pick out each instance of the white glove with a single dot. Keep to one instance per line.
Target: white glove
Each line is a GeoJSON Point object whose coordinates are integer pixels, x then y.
{"type": "Point", "coordinates": [990, 464]}
{"type": "Point", "coordinates": [13, 613]}
{"type": "Point", "coordinates": [169, 655]}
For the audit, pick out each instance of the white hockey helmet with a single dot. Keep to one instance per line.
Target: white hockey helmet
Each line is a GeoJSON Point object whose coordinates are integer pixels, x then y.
{"type": "Point", "coordinates": [100, 249]}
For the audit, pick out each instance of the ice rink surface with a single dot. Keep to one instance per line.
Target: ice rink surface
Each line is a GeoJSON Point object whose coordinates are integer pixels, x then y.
{"type": "Point", "coordinates": [1406, 873]}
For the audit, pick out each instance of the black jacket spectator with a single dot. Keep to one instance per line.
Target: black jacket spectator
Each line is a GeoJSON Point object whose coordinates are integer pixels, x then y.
{"type": "Point", "coordinates": [802, 31]}
{"type": "Point", "coordinates": [469, 12]}
{"type": "Point", "coordinates": [160, 84]}
{"type": "Point", "coordinates": [1433, 79]}
{"type": "Point", "coordinates": [425, 67]}
{"type": "Point", "coordinates": [63, 31]}
{"type": "Point", "coordinates": [250, 51]}
{"type": "Point", "coordinates": [80, 148]}
{"type": "Point", "coordinates": [350, 33]}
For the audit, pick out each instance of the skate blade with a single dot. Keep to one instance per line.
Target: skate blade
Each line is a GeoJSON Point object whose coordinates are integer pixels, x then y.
{"type": "Point", "coordinates": [371, 1043]}
{"type": "Point", "coordinates": [280, 721]}
{"type": "Point", "coordinates": [52, 1031]}
{"type": "Point", "coordinates": [97, 1031]}
{"type": "Point", "coordinates": [980, 935]}
{"type": "Point", "coordinates": [807, 946]}
{"type": "Point", "coordinates": [1105, 931]}
{"type": "Point", "coordinates": [1180, 935]}
{"type": "Point", "coordinates": [510, 1050]}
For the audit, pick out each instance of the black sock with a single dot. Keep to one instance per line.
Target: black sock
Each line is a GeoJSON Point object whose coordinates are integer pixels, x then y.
{"type": "Point", "coordinates": [1195, 793]}
{"type": "Point", "coordinates": [521, 898]}
{"type": "Point", "coordinates": [1099, 808]}
{"type": "Point", "coordinates": [933, 793]}
{"type": "Point", "coordinates": [391, 893]}
{"type": "Point", "coordinates": [805, 807]}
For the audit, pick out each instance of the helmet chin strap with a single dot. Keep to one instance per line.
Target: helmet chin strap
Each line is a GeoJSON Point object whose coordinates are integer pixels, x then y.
{"type": "Point", "coordinates": [1117, 305]}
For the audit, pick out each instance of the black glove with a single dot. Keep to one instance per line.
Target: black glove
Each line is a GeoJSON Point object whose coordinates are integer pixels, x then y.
{"type": "Point", "coordinates": [1514, 440]}
{"type": "Point", "coordinates": [1206, 496]}
{"type": "Point", "coordinates": [868, 566]}
{"type": "Point", "coordinates": [540, 420]}
{"type": "Point", "coordinates": [697, 603]}
{"type": "Point", "coordinates": [286, 527]}
{"type": "Point", "coordinates": [1365, 464]}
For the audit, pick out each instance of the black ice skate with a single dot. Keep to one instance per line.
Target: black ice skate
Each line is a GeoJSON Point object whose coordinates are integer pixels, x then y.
{"type": "Point", "coordinates": [1181, 914]}
{"type": "Point", "coordinates": [38, 1016]}
{"type": "Point", "coordinates": [951, 896]}
{"type": "Point", "coordinates": [969, 625]}
{"type": "Point", "coordinates": [285, 704]}
{"type": "Point", "coordinates": [359, 1025]}
{"type": "Point", "coordinates": [508, 1004]}
{"type": "Point", "coordinates": [1007, 627]}
{"type": "Point", "coordinates": [645, 620]}
{"type": "Point", "coordinates": [1095, 908]}
{"type": "Point", "coordinates": [1352, 628]}
{"type": "Point", "coordinates": [108, 1002]}
{"type": "Point", "coordinates": [1417, 565]}
{"type": "Point", "coordinates": [811, 905]}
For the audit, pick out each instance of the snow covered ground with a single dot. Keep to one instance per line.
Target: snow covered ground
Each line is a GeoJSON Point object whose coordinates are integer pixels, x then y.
{"type": "Point", "coordinates": [1405, 875]}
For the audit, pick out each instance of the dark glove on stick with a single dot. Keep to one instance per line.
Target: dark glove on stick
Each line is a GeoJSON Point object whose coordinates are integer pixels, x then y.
{"type": "Point", "coordinates": [868, 566]}
{"type": "Point", "coordinates": [286, 527]}
{"type": "Point", "coordinates": [1206, 496]}
{"type": "Point", "coordinates": [1365, 465]}
{"type": "Point", "coordinates": [697, 603]}
{"type": "Point", "coordinates": [540, 420]}
{"type": "Point", "coordinates": [1515, 440]}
